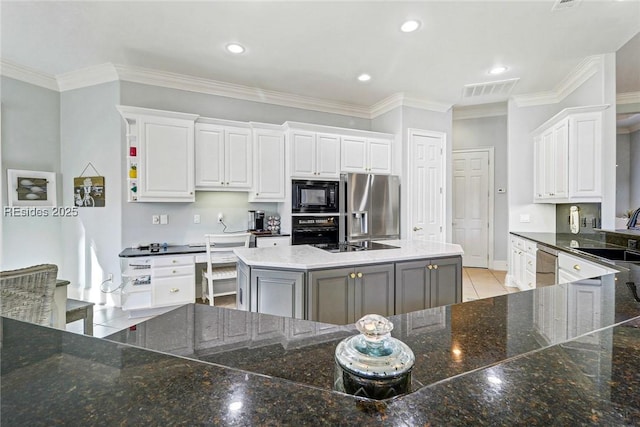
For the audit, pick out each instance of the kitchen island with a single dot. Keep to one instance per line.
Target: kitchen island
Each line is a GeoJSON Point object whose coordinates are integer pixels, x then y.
{"type": "Point", "coordinates": [484, 362]}
{"type": "Point", "coordinates": [306, 282]}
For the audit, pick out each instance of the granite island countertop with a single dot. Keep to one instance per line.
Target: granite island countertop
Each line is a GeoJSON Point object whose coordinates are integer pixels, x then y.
{"type": "Point", "coordinates": [491, 361]}
{"type": "Point", "coordinates": [305, 257]}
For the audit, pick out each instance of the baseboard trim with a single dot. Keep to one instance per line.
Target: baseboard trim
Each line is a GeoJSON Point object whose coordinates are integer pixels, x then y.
{"type": "Point", "coordinates": [499, 265]}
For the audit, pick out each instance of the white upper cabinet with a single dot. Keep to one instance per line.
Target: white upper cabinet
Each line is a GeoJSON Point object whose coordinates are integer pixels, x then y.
{"type": "Point", "coordinates": [365, 155]}
{"type": "Point", "coordinates": [314, 155]}
{"type": "Point", "coordinates": [551, 163]}
{"type": "Point", "coordinates": [161, 163]}
{"type": "Point", "coordinates": [269, 165]}
{"type": "Point", "coordinates": [585, 155]}
{"type": "Point", "coordinates": [223, 156]}
{"type": "Point", "coordinates": [568, 157]}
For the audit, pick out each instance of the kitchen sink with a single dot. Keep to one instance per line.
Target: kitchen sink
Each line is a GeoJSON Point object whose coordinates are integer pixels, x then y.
{"type": "Point", "coordinates": [613, 254]}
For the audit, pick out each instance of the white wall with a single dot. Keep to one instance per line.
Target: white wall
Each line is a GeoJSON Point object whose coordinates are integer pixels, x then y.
{"type": "Point", "coordinates": [90, 133]}
{"type": "Point", "coordinates": [30, 141]}
{"type": "Point", "coordinates": [634, 175]}
{"type": "Point", "coordinates": [482, 133]}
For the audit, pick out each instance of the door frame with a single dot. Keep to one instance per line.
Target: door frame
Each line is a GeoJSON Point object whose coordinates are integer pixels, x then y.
{"type": "Point", "coordinates": [491, 196]}
{"type": "Point", "coordinates": [443, 176]}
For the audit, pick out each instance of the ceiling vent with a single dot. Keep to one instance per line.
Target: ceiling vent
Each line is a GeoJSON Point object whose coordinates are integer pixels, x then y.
{"type": "Point", "coordinates": [499, 89]}
{"type": "Point", "coordinates": [565, 4]}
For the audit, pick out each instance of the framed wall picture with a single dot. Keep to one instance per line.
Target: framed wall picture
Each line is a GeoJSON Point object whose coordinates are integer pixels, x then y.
{"type": "Point", "coordinates": [88, 191]}
{"type": "Point", "coordinates": [31, 188]}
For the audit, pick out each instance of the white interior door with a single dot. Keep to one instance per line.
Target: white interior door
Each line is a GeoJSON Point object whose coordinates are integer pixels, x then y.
{"type": "Point", "coordinates": [425, 202]}
{"type": "Point", "coordinates": [471, 206]}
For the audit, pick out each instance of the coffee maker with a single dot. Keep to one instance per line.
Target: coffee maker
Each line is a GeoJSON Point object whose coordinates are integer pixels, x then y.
{"type": "Point", "coordinates": [256, 220]}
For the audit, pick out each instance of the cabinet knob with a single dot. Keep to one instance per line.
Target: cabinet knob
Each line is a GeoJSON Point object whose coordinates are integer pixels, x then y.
{"type": "Point", "coordinates": [174, 290]}
{"type": "Point", "coordinates": [257, 194]}
{"type": "Point", "coordinates": [435, 267]}
{"type": "Point", "coordinates": [275, 244]}
{"type": "Point", "coordinates": [430, 267]}
{"type": "Point", "coordinates": [417, 228]}
{"type": "Point", "coordinates": [174, 261]}
{"type": "Point", "coordinates": [221, 182]}
{"type": "Point", "coordinates": [352, 275]}
{"type": "Point", "coordinates": [576, 267]}
{"type": "Point", "coordinates": [359, 275]}
{"type": "Point", "coordinates": [174, 272]}
{"type": "Point", "coordinates": [529, 263]}
{"type": "Point", "coordinates": [227, 183]}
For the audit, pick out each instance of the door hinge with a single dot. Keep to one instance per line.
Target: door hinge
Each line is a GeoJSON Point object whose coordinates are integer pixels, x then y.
{"type": "Point", "coordinates": [440, 190]}
{"type": "Point", "coordinates": [441, 152]}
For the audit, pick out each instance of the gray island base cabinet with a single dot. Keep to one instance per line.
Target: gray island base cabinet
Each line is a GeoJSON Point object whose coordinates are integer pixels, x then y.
{"type": "Point", "coordinates": [343, 295]}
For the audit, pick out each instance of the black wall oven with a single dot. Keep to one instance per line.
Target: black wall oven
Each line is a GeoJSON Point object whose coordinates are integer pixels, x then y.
{"type": "Point", "coordinates": [314, 196]}
{"type": "Point", "coordinates": [320, 231]}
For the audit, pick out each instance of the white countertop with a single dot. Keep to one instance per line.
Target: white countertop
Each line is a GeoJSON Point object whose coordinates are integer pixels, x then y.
{"type": "Point", "coordinates": [304, 257]}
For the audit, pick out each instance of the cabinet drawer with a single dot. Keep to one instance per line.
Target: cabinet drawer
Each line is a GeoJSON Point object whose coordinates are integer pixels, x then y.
{"type": "Point", "coordinates": [165, 261]}
{"type": "Point", "coordinates": [519, 243]}
{"type": "Point", "coordinates": [579, 267]}
{"type": "Point", "coordinates": [180, 270]}
{"type": "Point", "coordinates": [529, 280]}
{"type": "Point", "coordinates": [173, 291]}
{"type": "Point", "coordinates": [530, 247]}
{"type": "Point", "coordinates": [265, 242]}
{"type": "Point", "coordinates": [530, 263]}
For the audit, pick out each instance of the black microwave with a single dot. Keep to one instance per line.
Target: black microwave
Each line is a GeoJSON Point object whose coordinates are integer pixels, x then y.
{"type": "Point", "coordinates": [314, 196]}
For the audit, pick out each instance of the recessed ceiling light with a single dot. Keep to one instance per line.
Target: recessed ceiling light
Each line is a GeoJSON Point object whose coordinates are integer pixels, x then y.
{"type": "Point", "coordinates": [499, 69]}
{"type": "Point", "coordinates": [364, 77]}
{"type": "Point", "coordinates": [235, 48]}
{"type": "Point", "coordinates": [410, 26]}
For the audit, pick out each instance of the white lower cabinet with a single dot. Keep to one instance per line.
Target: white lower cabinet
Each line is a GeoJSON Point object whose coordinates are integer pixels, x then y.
{"type": "Point", "coordinates": [572, 268]}
{"type": "Point", "coordinates": [522, 263]}
{"type": "Point", "coordinates": [157, 281]}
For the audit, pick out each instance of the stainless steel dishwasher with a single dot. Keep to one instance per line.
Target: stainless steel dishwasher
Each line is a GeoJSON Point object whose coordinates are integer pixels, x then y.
{"type": "Point", "coordinates": [546, 265]}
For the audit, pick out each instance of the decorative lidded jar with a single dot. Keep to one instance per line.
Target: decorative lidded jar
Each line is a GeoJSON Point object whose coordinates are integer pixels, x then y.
{"type": "Point", "coordinates": [373, 364]}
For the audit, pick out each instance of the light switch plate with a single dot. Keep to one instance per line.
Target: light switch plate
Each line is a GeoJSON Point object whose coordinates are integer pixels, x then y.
{"type": "Point", "coordinates": [155, 219]}
{"type": "Point", "coordinates": [164, 219]}
{"type": "Point", "coordinates": [525, 218]}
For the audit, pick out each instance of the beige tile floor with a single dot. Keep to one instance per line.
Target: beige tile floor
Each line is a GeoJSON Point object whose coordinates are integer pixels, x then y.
{"type": "Point", "coordinates": [477, 283]}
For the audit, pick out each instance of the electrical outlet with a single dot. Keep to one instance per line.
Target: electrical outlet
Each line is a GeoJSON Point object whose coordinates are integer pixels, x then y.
{"type": "Point", "coordinates": [220, 217]}
{"type": "Point", "coordinates": [155, 219]}
{"type": "Point", "coordinates": [164, 219]}
{"type": "Point", "coordinates": [196, 219]}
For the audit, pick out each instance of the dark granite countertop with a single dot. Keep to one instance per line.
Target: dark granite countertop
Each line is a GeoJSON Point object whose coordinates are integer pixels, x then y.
{"type": "Point", "coordinates": [163, 250]}
{"type": "Point", "coordinates": [496, 361]}
{"type": "Point", "coordinates": [573, 243]}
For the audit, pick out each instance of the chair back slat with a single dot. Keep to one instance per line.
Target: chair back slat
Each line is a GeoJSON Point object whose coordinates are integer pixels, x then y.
{"type": "Point", "coordinates": [27, 294]}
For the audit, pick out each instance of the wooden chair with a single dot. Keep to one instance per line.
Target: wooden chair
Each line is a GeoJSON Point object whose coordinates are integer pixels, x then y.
{"type": "Point", "coordinates": [27, 294]}
{"type": "Point", "coordinates": [221, 264]}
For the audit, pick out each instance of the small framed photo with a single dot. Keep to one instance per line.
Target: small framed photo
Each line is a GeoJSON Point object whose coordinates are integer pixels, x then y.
{"type": "Point", "coordinates": [89, 191]}
{"type": "Point", "coordinates": [31, 188]}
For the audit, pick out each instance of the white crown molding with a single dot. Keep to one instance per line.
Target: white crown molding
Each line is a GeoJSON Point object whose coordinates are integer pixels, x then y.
{"type": "Point", "coordinates": [108, 72]}
{"type": "Point", "coordinates": [401, 100]}
{"type": "Point", "coordinates": [230, 90]}
{"type": "Point", "coordinates": [27, 75]}
{"type": "Point", "coordinates": [480, 111]}
{"type": "Point", "coordinates": [86, 77]}
{"type": "Point", "coordinates": [580, 74]}
{"type": "Point", "coordinates": [628, 98]}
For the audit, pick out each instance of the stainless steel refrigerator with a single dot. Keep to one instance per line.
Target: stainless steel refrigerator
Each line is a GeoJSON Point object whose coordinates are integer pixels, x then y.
{"type": "Point", "coordinates": [369, 207]}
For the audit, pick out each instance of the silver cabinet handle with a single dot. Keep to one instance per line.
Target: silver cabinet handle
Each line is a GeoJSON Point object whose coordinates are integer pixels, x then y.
{"type": "Point", "coordinates": [352, 275]}
{"type": "Point", "coordinates": [576, 267]}
{"type": "Point", "coordinates": [417, 228]}
{"type": "Point", "coordinates": [359, 274]}
{"type": "Point", "coordinates": [174, 290]}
